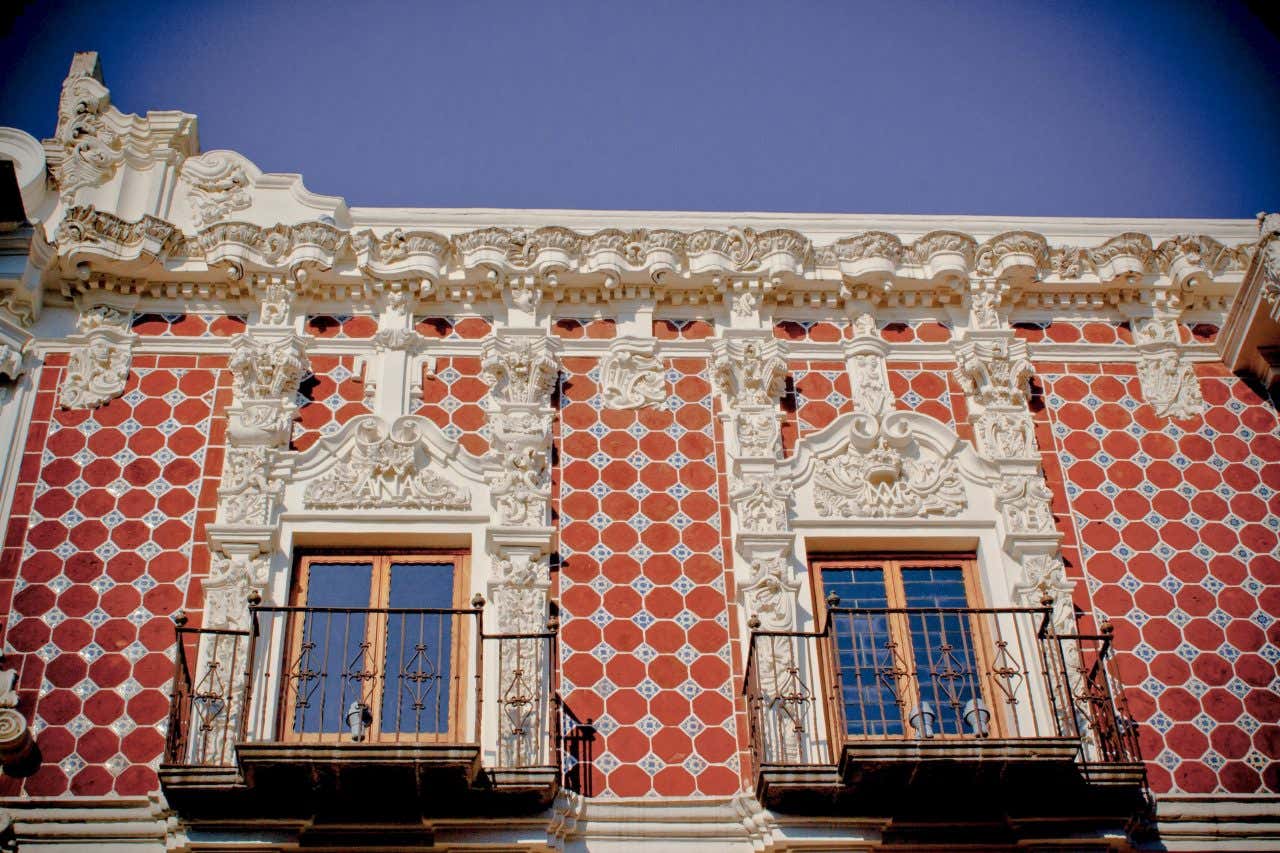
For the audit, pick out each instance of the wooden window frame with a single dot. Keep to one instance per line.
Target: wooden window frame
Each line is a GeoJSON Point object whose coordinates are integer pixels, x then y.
{"type": "Point", "coordinates": [891, 564]}
{"type": "Point", "coordinates": [381, 562]}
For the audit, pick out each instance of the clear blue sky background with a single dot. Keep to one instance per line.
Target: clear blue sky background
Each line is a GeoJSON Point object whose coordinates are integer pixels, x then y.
{"type": "Point", "coordinates": [1091, 109]}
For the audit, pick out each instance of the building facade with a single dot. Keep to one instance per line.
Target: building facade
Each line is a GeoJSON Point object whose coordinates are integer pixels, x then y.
{"type": "Point", "coordinates": [338, 527]}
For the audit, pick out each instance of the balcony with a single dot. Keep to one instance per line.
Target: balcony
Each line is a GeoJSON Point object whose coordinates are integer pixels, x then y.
{"type": "Point", "coordinates": [351, 716]}
{"type": "Point", "coordinates": [929, 716]}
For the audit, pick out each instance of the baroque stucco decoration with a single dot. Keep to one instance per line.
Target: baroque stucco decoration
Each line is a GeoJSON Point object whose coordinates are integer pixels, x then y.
{"type": "Point", "coordinates": [101, 355]}
{"type": "Point", "coordinates": [884, 473]}
{"type": "Point", "coordinates": [218, 186]}
{"type": "Point", "coordinates": [631, 376]}
{"type": "Point", "coordinates": [1168, 380]}
{"type": "Point", "coordinates": [386, 467]}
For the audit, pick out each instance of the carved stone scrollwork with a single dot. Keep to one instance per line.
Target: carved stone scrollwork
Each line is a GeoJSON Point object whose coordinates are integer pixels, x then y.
{"type": "Point", "coordinates": [632, 376]}
{"type": "Point", "coordinates": [750, 371]}
{"type": "Point", "coordinates": [385, 469]}
{"type": "Point", "coordinates": [519, 589]}
{"type": "Point", "coordinates": [758, 433]}
{"type": "Point", "coordinates": [885, 473]}
{"type": "Point", "coordinates": [1167, 379]}
{"type": "Point", "coordinates": [248, 492]}
{"type": "Point", "coordinates": [232, 577]}
{"type": "Point", "coordinates": [219, 186]}
{"type": "Point", "coordinates": [11, 363]}
{"type": "Point", "coordinates": [520, 483]}
{"type": "Point", "coordinates": [98, 367]}
{"type": "Point", "coordinates": [762, 503]}
{"type": "Point", "coordinates": [1026, 503]}
{"type": "Point", "coordinates": [266, 369]}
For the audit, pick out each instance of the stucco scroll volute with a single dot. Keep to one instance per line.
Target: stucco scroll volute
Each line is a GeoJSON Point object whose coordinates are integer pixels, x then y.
{"type": "Point", "coordinates": [631, 375]}
{"type": "Point", "coordinates": [101, 355]}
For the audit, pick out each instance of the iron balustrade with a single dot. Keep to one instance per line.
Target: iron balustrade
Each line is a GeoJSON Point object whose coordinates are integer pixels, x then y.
{"type": "Point", "coordinates": [930, 674]}
{"type": "Point", "coordinates": [333, 675]}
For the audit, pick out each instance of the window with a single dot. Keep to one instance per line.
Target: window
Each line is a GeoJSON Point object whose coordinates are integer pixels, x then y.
{"type": "Point", "coordinates": [908, 646]}
{"type": "Point", "coordinates": [377, 648]}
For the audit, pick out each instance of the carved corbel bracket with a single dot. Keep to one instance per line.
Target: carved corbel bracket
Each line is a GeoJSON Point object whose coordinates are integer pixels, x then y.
{"type": "Point", "coordinates": [240, 565]}
{"type": "Point", "coordinates": [101, 355]}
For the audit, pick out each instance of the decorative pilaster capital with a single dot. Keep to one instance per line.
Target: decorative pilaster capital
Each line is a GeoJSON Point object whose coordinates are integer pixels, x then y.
{"type": "Point", "coordinates": [632, 376]}
{"type": "Point", "coordinates": [994, 369]}
{"type": "Point", "coordinates": [749, 369]}
{"type": "Point", "coordinates": [521, 366]}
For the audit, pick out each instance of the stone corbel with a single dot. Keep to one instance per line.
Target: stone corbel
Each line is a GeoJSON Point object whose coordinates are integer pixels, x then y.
{"type": "Point", "coordinates": [17, 745]}
{"type": "Point", "coordinates": [240, 566]}
{"type": "Point", "coordinates": [770, 590]}
{"type": "Point", "coordinates": [632, 376]}
{"type": "Point", "coordinates": [101, 354]}
{"type": "Point", "coordinates": [1168, 379]}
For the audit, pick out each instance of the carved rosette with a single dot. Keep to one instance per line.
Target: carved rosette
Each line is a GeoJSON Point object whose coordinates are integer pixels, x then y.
{"type": "Point", "coordinates": [885, 473]}
{"type": "Point", "coordinates": [632, 376]}
{"type": "Point", "coordinates": [1168, 380]}
{"type": "Point", "coordinates": [98, 366]}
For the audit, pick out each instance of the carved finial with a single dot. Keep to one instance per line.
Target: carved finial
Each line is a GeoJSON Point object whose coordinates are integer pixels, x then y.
{"type": "Point", "coordinates": [180, 619]}
{"type": "Point", "coordinates": [833, 600]}
{"type": "Point", "coordinates": [255, 598]}
{"type": "Point", "coordinates": [753, 622]}
{"type": "Point", "coordinates": [1046, 601]}
{"type": "Point", "coordinates": [553, 624]}
{"type": "Point", "coordinates": [477, 601]}
{"type": "Point", "coordinates": [1107, 628]}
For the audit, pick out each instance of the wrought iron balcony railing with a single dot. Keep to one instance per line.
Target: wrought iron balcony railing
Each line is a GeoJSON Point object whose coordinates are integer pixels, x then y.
{"type": "Point", "coordinates": [937, 679]}
{"type": "Point", "coordinates": [316, 676]}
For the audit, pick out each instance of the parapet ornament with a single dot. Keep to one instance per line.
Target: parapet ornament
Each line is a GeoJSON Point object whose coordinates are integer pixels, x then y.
{"type": "Point", "coordinates": [631, 376]}
{"type": "Point", "coordinates": [219, 186]}
{"type": "Point", "coordinates": [98, 368]}
{"type": "Point", "coordinates": [90, 150]}
{"type": "Point", "coordinates": [885, 473]}
{"type": "Point", "coordinates": [385, 469]}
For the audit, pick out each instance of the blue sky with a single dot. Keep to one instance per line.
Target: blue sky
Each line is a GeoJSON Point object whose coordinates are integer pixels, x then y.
{"type": "Point", "coordinates": [1020, 108]}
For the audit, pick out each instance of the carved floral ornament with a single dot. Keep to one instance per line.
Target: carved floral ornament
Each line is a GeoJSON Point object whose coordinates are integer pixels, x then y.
{"type": "Point", "coordinates": [632, 376]}
{"type": "Point", "coordinates": [570, 262]}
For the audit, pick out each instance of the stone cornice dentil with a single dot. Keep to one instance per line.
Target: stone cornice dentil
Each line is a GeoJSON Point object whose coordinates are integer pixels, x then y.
{"type": "Point", "coordinates": [151, 256]}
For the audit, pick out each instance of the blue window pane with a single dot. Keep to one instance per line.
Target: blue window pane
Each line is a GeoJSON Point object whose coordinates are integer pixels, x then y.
{"type": "Point", "coordinates": [419, 649]}
{"type": "Point", "coordinates": [865, 652]}
{"type": "Point", "coordinates": [942, 645]}
{"type": "Point", "coordinates": [333, 666]}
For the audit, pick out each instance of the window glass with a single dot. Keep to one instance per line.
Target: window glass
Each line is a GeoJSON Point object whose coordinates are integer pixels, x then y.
{"type": "Point", "coordinates": [419, 648]}
{"type": "Point", "coordinates": [334, 662]}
